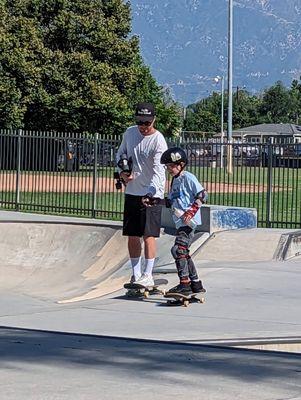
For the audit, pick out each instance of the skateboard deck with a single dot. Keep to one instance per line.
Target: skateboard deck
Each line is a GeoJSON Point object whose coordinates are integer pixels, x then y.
{"type": "Point", "coordinates": [135, 289]}
{"type": "Point", "coordinates": [184, 300]}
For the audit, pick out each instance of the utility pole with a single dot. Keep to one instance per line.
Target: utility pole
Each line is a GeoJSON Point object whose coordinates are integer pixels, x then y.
{"type": "Point", "coordinates": [230, 80]}
{"type": "Point", "coordinates": [221, 79]}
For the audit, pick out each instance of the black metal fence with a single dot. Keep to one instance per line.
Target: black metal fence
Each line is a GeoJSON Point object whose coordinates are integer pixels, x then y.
{"type": "Point", "coordinates": [72, 174]}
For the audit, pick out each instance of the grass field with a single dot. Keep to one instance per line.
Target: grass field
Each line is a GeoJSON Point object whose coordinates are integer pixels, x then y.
{"type": "Point", "coordinates": [246, 187]}
{"type": "Point", "coordinates": [285, 210]}
{"type": "Point", "coordinates": [286, 177]}
{"type": "Point", "coordinates": [290, 177]}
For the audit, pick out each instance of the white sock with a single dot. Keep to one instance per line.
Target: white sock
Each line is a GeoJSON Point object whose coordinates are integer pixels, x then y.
{"type": "Point", "coordinates": [149, 265]}
{"type": "Point", "coordinates": [136, 267]}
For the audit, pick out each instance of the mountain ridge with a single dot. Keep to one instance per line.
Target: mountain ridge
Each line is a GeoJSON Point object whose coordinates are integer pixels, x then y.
{"type": "Point", "coordinates": [185, 43]}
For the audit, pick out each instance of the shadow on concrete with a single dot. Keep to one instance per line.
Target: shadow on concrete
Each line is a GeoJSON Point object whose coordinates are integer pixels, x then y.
{"type": "Point", "coordinates": [128, 357]}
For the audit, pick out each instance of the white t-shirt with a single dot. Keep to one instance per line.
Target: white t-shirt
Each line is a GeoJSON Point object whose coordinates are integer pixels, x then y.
{"type": "Point", "coordinates": [146, 151]}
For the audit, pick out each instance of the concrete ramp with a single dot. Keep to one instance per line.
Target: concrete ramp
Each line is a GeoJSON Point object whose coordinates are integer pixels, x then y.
{"type": "Point", "coordinates": [244, 245]}
{"type": "Point", "coordinates": [69, 262]}
{"type": "Point", "coordinates": [165, 243]}
{"type": "Point", "coordinates": [66, 262]}
{"type": "Point", "coordinates": [59, 261]}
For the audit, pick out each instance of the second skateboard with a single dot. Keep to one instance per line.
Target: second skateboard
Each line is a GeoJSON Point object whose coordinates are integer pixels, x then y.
{"type": "Point", "coordinates": [184, 300]}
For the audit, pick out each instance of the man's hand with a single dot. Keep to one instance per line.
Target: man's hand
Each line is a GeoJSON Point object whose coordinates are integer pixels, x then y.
{"type": "Point", "coordinates": [149, 201]}
{"type": "Point", "coordinates": [125, 177]}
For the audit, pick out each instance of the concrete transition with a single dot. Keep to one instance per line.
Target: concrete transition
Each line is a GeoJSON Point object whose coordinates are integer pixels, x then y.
{"type": "Point", "coordinates": [64, 314]}
{"type": "Point", "coordinates": [71, 259]}
{"type": "Point", "coordinates": [60, 260]}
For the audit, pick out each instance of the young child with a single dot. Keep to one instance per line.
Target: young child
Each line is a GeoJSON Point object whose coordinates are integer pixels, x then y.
{"type": "Point", "coordinates": [185, 199]}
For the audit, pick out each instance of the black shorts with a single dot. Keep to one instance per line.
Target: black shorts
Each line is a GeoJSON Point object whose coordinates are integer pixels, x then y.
{"type": "Point", "coordinates": [139, 220]}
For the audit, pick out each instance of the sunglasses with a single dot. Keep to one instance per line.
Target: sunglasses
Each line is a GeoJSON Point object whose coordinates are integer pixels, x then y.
{"type": "Point", "coordinates": [145, 123]}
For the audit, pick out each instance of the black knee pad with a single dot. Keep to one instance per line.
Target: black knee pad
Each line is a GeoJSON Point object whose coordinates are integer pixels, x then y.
{"type": "Point", "coordinates": [179, 252]}
{"type": "Point", "coordinates": [181, 247]}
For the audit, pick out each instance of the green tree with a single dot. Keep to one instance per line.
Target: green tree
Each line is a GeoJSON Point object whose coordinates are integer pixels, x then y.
{"type": "Point", "coordinates": [276, 106]}
{"type": "Point", "coordinates": [204, 115]}
{"type": "Point", "coordinates": [72, 65]}
{"type": "Point", "coordinates": [245, 109]}
{"type": "Point", "coordinates": [295, 93]}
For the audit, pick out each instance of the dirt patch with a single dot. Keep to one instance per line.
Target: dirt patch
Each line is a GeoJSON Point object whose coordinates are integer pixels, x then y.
{"type": "Point", "coordinates": [81, 184]}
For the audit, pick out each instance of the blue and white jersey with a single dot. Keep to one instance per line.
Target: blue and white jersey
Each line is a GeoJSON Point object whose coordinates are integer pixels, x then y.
{"type": "Point", "coordinates": [182, 195]}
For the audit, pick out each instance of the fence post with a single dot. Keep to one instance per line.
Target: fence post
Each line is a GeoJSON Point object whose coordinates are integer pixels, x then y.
{"type": "Point", "coordinates": [269, 183]}
{"type": "Point", "coordinates": [18, 171]}
{"type": "Point", "coordinates": [94, 204]}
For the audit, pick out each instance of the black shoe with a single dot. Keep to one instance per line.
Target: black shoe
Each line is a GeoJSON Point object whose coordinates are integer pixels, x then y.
{"type": "Point", "coordinates": [181, 288]}
{"type": "Point", "coordinates": [197, 287]}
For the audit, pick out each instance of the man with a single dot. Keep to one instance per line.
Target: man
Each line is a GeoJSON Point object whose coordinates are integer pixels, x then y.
{"type": "Point", "coordinates": [140, 169]}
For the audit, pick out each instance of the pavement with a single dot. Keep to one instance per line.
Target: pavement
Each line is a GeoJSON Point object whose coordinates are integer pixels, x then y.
{"type": "Point", "coordinates": [67, 330]}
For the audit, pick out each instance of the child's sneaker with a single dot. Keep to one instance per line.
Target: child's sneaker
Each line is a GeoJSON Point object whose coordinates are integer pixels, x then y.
{"type": "Point", "coordinates": [181, 288]}
{"type": "Point", "coordinates": [145, 280]}
{"type": "Point", "coordinates": [197, 287]}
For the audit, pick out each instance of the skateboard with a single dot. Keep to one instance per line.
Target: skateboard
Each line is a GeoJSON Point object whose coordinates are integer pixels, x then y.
{"type": "Point", "coordinates": [184, 300]}
{"type": "Point", "coordinates": [136, 290]}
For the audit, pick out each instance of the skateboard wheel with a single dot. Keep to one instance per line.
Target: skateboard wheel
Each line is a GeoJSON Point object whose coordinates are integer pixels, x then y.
{"type": "Point", "coordinates": [202, 300]}
{"type": "Point", "coordinates": [186, 303]}
{"type": "Point", "coordinates": [146, 294]}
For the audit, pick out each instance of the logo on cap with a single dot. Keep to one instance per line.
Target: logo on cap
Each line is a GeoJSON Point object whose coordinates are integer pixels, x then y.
{"type": "Point", "coordinates": [144, 111]}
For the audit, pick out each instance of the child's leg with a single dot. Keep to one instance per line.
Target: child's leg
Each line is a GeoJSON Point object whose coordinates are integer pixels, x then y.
{"type": "Point", "coordinates": [180, 252]}
{"type": "Point", "coordinates": [196, 283]}
{"type": "Point", "coordinates": [193, 275]}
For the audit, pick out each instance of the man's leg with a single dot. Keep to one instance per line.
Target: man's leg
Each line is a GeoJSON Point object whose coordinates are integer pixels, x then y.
{"type": "Point", "coordinates": [149, 247]}
{"type": "Point", "coordinates": [133, 229]}
{"type": "Point", "coordinates": [134, 247]}
{"type": "Point", "coordinates": [151, 231]}
{"type": "Point", "coordinates": [149, 254]}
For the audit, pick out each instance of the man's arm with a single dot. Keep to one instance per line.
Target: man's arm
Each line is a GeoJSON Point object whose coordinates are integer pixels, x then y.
{"type": "Point", "coordinates": [121, 151]}
{"type": "Point", "coordinates": [158, 172]}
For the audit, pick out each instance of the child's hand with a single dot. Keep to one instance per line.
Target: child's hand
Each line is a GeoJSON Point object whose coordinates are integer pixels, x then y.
{"type": "Point", "coordinates": [186, 217]}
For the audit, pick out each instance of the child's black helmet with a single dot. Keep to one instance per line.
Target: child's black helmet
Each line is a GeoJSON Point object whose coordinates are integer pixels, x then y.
{"type": "Point", "coordinates": [174, 155]}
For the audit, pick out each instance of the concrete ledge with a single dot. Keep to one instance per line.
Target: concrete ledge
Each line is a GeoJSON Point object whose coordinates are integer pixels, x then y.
{"type": "Point", "coordinates": [289, 246]}
{"type": "Point", "coordinates": [218, 218]}
{"type": "Point", "coordinates": [21, 217]}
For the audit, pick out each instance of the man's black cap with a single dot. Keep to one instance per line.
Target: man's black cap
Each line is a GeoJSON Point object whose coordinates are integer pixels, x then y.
{"type": "Point", "coordinates": [145, 111]}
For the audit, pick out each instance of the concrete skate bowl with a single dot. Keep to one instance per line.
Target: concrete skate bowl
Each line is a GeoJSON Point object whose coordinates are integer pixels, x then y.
{"type": "Point", "coordinates": [61, 262]}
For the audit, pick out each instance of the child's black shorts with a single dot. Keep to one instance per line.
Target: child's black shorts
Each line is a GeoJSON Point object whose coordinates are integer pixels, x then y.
{"type": "Point", "coordinates": [139, 220]}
